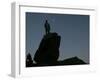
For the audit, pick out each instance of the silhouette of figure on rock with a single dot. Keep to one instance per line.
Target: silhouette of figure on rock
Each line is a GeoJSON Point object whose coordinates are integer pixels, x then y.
{"type": "Point", "coordinates": [47, 27]}
{"type": "Point", "coordinates": [47, 53]}
{"type": "Point", "coordinates": [48, 50]}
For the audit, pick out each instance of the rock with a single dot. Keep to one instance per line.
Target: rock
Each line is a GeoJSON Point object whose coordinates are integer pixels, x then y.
{"type": "Point", "coordinates": [71, 61]}
{"type": "Point", "coordinates": [29, 61]}
{"type": "Point", "coordinates": [48, 51]}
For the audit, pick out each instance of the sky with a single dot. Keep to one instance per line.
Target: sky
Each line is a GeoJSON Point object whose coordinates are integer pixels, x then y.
{"type": "Point", "coordinates": [73, 29]}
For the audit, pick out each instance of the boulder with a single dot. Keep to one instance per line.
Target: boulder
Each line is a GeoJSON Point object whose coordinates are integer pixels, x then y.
{"type": "Point", "coordinates": [48, 50]}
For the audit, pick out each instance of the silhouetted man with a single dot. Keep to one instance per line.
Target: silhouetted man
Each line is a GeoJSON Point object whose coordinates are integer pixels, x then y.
{"type": "Point", "coordinates": [47, 27]}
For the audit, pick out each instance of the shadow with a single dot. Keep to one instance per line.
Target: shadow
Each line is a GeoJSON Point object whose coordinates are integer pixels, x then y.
{"type": "Point", "coordinates": [10, 75]}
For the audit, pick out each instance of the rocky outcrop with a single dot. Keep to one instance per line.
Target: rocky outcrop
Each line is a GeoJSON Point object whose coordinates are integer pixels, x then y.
{"type": "Point", "coordinates": [48, 50]}
{"type": "Point", "coordinates": [71, 61]}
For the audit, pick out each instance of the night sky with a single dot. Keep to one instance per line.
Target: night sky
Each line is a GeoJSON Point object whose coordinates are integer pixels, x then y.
{"type": "Point", "coordinates": [73, 29]}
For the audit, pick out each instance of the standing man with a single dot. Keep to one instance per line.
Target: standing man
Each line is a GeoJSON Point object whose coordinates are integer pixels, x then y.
{"type": "Point", "coordinates": [47, 27]}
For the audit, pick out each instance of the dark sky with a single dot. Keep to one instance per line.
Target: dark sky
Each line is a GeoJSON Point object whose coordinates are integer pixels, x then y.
{"type": "Point", "coordinates": [73, 29]}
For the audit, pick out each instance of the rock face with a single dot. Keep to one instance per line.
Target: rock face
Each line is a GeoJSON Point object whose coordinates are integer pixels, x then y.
{"type": "Point", "coordinates": [48, 51]}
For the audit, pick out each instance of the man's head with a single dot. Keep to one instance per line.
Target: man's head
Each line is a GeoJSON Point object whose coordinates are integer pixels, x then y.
{"type": "Point", "coordinates": [46, 21]}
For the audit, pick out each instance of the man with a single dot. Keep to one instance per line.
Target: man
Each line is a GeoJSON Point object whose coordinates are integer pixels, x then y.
{"type": "Point", "coordinates": [47, 27]}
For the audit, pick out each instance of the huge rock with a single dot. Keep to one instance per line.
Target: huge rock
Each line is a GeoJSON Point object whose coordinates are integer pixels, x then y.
{"type": "Point", "coordinates": [48, 51]}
